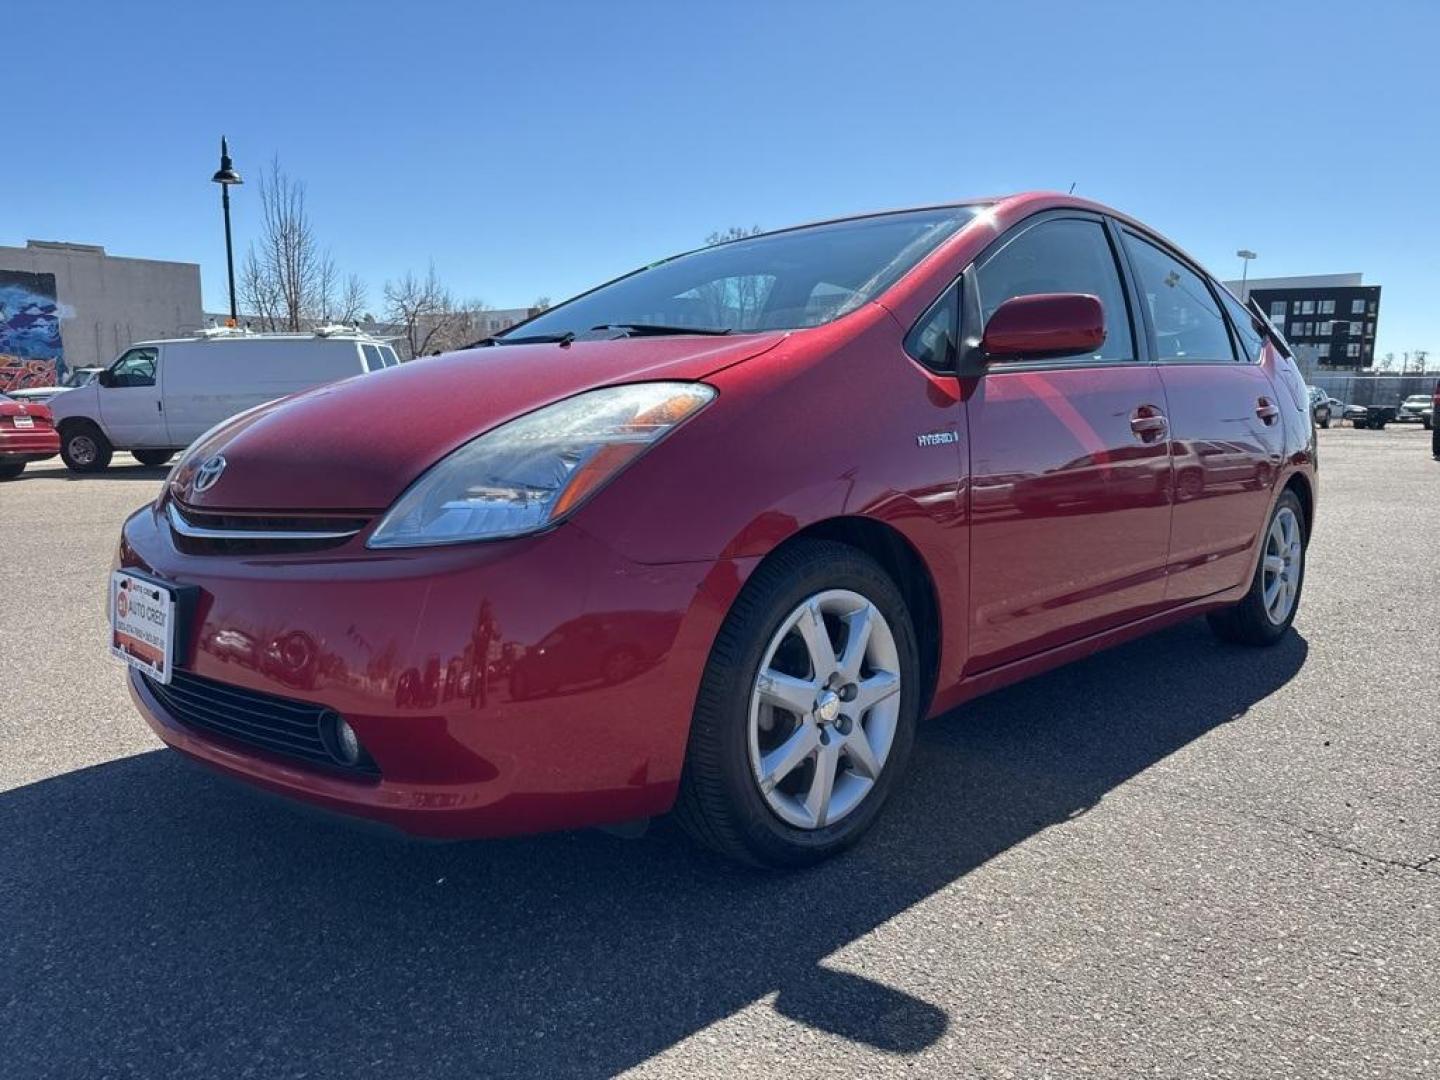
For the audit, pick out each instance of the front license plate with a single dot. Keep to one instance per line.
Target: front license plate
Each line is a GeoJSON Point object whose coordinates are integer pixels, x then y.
{"type": "Point", "coordinates": [23, 421]}
{"type": "Point", "coordinates": [142, 624]}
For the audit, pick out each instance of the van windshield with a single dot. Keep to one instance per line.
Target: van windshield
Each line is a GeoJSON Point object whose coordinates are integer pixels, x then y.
{"type": "Point", "coordinates": [778, 281]}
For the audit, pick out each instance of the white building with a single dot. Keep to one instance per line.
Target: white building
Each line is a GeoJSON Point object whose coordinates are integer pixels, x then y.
{"type": "Point", "coordinates": [72, 305]}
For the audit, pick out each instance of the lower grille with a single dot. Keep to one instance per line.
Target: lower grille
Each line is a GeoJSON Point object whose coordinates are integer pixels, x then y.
{"type": "Point", "coordinates": [292, 729]}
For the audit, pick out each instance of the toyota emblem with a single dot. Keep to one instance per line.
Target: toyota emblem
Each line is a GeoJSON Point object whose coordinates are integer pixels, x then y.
{"type": "Point", "coordinates": [208, 473]}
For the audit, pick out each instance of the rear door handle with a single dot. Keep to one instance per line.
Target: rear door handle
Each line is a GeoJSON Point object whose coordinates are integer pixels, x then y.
{"type": "Point", "coordinates": [1149, 423]}
{"type": "Point", "coordinates": [1267, 410]}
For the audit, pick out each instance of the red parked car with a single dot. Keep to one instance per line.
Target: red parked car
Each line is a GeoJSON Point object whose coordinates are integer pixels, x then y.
{"type": "Point", "coordinates": [769, 504]}
{"type": "Point", "coordinates": [26, 434]}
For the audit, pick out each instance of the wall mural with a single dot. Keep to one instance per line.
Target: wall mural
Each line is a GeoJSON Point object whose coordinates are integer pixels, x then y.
{"type": "Point", "coordinates": [30, 350]}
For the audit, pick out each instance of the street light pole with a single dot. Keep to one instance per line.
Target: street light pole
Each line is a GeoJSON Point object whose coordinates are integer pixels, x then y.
{"type": "Point", "coordinates": [226, 176]}
{"type": "Point", "coordinates": [1245, 256]}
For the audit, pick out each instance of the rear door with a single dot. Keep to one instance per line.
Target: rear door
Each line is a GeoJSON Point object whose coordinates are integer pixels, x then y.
{"type": "Point", "coordinates": [130, 406]}
{"type": "Point", "coordinates": [1070, 477]}
{"type": "Point", "coordinates": [1226, 431]}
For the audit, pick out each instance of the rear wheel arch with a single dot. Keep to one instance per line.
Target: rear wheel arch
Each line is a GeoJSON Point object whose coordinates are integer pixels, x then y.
{"type": "Point", "coordinates": [1300, 485]}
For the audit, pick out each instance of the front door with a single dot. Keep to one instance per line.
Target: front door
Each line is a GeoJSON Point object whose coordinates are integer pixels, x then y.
{"type": "Point", "coordinates": [1225, 426]}
{"type": "Point", "coordinates": [1070, 476]}
{"type": "Point", "coordinates": [130, 406]}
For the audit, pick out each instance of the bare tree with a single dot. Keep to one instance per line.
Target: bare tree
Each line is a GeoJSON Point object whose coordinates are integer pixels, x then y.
{"type": "Point", "coordinates": [259, 294]}
{"type": "Point", "coordinates": [350, 305]}
{"type": "Point", "coordinates": [286, 279]}
{"type": "Point", "coordinates": [429, 317]}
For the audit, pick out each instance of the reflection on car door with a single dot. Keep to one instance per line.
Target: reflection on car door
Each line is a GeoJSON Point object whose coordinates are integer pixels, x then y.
{"type": "Point", "coordinates": [130, 406]}
{"type": "Point", "coordinates": [1225, 423]}
{"type": "Point", "coordinates": [1070, 479]}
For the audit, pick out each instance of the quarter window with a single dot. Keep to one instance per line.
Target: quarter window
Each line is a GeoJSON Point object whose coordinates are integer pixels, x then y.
{"type": "Point", "coordinates": [1250, 339]}
{"type": "Point", "coordinates": [1068, 255]}
{"type": "Point", "coordinates": [932, 340]}
{"type": "Point", "coordinates": [1187, 320]}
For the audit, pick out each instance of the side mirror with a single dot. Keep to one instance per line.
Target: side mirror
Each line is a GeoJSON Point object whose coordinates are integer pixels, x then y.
{"type": "Point", "coordinates": [104, 378]}
{"type": "Point", "coordinates": [1044, 325]}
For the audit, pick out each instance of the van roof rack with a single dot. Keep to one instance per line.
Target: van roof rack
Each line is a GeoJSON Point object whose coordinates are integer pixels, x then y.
{"type": "Point", "coordinates": [223, 331]}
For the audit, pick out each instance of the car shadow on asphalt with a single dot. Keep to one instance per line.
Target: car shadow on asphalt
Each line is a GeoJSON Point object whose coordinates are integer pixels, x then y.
{"type": "Point", "coordinates": [157, 920]}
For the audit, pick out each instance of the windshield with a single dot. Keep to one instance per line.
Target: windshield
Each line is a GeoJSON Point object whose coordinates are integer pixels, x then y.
{"type": "Point", "coordinates": [779, 281]}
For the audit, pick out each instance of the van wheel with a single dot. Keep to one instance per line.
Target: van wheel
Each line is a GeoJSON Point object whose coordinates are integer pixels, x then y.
{"type": "Point", "coordinates": [1269, 607]}
{"type": "Point", "coordinates": [11, 470]}
{"type": "Point", "coordinates": [806, 711]}
{"type": "Point", "coordinates": [152, 457]}
{"type": "Point", "coordinates": [84, 449]}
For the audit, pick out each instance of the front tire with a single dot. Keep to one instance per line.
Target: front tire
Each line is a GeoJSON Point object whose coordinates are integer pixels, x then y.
{"type": "Point", "coordinates": [84, 449]}
{"type": "Point", "coordinates": [1269, 608]}
{"type": "Point", "coordinates": [806, 712]}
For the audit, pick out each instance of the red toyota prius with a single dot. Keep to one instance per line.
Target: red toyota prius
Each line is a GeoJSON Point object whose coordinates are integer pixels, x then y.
{"type": "Point", "coordinates": [715, 536]}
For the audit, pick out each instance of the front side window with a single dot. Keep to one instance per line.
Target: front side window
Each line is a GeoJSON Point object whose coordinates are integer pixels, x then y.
{"type": "Point", "coordinates": [135, 368]}
{"type": "Point", "coordinates": [1187, 320]}
{"type": "Point", "coordinates": [778, 281]}
{"type": "Point", "coordinates": [1068, 255]}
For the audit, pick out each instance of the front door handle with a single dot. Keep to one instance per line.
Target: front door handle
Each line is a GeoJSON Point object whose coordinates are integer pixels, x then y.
{"type": "Point", "coordinates": [1149, 423]}
{"type": "Point", "coordinates": [1267, 410]}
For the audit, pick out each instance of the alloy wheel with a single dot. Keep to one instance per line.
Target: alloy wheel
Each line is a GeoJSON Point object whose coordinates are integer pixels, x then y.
{"type": "Point", "coordinates": [824, 709]}
{"type": "Point", "coordinates": [1284, 555]}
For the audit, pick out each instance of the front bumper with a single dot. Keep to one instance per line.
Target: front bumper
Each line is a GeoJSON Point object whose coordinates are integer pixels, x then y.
{"type": "Point", "coordinates": [501, 688]}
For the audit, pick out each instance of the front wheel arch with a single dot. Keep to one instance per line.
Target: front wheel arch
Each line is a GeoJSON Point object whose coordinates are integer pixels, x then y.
{"type": "Point", "coordinates": [889, 547]}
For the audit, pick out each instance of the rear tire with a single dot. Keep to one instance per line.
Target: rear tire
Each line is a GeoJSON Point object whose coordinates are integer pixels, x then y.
{"type": "Point", "coordinates": [808, 594]}
{"type": "Point", "coordinates": [152, 457]}
{"type": "Point", "coordinates": [12, 470]}
{"type": "Point", "coordinates": [84, 449]}
{"type": "Point", "coordinates": [1325, 423]}
{"type": "Point", "coordinates": [1260, 618]}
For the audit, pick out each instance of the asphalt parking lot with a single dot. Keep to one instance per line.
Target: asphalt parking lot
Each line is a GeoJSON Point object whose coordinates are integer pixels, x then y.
{"type": "Point", "coordinates": [1177, 858]}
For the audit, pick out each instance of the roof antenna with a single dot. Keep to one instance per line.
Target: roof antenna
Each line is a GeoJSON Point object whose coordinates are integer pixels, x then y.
{"type": "Point", "coordinates": [1072, 188]}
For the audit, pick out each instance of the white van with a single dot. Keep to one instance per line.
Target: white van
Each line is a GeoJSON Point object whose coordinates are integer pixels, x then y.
{"type": "Point", "coordinates": [159, 396]}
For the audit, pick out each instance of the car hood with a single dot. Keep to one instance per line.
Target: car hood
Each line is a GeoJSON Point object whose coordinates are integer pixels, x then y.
{"type": "Point", "coordinates": [357, 444]}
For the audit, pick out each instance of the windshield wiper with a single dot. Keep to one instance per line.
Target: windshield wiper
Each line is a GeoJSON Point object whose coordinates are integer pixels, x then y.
{"type": "Point", "coordinates": [532, 339]}
{"type": "Point", "coordinates": [658, 329]}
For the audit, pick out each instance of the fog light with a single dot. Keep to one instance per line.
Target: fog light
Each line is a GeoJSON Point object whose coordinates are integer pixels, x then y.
{"type": "Point", "coordinates": [341, 740]}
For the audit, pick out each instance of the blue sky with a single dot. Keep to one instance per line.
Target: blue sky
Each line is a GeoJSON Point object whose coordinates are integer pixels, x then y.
{"type": "Point", "coordinates": [537, 148]}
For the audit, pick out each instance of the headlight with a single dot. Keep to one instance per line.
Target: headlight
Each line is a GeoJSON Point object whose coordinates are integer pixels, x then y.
{"type": "Point", "coordinates": [528, 474]}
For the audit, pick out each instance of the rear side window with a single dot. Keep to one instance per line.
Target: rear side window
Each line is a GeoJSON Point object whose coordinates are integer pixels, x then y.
{"type": "Point", "coordinates": [932, 340]}
{"type": "Point", "coordinates": [388, 354]}
{"type": "Point", "coordinates": [373, 360]}
{"type": "Point", "coordinates": [1187, 319]}
{"type": "Point", "coordinates": [1067, 255]}
{"type": "Point", "coordinates": [1244, 322]}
